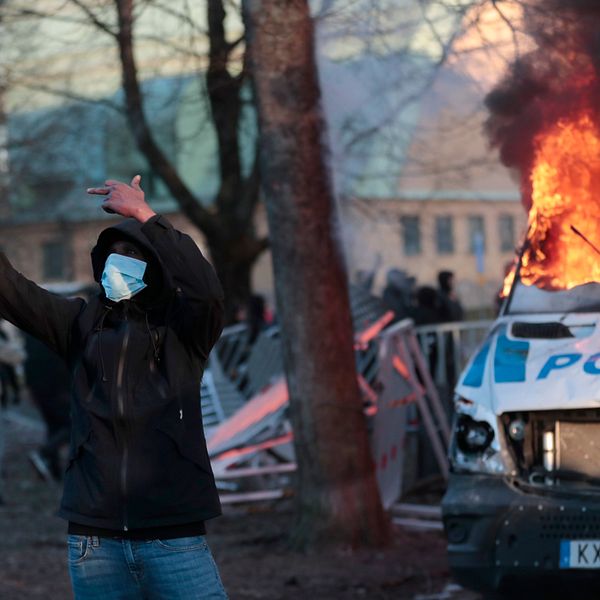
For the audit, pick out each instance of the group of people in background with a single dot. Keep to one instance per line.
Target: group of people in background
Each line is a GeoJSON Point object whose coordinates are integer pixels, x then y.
{"type": "Point", "coordinates": [26, 363]}
{"type": "Point", "coordinates": [256, 315]}
{"type": "Point", "coordinates": [12, 357]}
{"type": "Point", "coordinates": [425, 305]}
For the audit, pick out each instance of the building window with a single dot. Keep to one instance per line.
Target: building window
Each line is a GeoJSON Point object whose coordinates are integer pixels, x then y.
{"type": "Point", "coordinates": [411, 234]}
{"type": "Point", "coordinates": [476, 235]}
{"type": "Point", "coordinates": [444, 235]}
{"type": "Point", "coordinates": [54, 254]}
{"type": "Point", "coordinates": [506, 226]}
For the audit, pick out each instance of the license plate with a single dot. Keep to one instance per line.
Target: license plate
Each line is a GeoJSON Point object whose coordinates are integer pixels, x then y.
{"type": "Point", "coordinates": [580, 554]}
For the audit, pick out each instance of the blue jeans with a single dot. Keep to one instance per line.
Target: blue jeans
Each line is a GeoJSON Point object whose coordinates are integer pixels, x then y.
{"type": "Point", "coordinates": [115, 569]}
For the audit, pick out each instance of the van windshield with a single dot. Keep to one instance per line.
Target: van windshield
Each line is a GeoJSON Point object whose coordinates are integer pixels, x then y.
{"type": "Point", "coordinates": [531, 299]}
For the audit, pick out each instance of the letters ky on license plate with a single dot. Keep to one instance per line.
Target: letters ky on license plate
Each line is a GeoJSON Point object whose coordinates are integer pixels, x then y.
{"type": "Point", "coordinates": [580, 554]}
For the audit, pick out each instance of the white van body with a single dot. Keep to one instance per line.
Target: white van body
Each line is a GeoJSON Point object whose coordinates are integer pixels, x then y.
{"type": "Point", "coordinates": [523, 501]}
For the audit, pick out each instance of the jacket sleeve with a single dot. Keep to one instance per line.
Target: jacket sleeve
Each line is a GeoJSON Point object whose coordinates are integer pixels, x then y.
{"type": "Point", "coordinates": [198, 290]}
{"type": "Point", "coordinates": [35, 310]}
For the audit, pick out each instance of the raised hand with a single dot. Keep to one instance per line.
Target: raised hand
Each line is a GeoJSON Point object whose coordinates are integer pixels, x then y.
{"type": "Point", "coordinates": [125, 200]}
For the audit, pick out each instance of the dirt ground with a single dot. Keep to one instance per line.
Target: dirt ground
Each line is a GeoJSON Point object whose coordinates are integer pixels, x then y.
{"type": "Point", "coordinates": [249, 545]}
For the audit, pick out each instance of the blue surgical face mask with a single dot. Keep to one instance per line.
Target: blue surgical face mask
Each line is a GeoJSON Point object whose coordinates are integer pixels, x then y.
{"type": "Point", "coordinates": [122, 277]}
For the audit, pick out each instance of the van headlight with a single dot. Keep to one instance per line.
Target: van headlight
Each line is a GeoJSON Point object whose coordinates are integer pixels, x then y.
{"type": "Point", "coordinates": [478, 444]}
{"type": "Point", "coordinates": [473, 437]}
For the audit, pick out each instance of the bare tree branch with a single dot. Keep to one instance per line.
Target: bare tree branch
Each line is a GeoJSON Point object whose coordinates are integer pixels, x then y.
{"type": "Point", "coordinates": [509, 24]}
{"type": "Point", "coordinates": [185, 16]}
{"type": "Point", "coordinates": [93, 18]}
{"type": "Point", "coordinates": [250, 195]}
{"type": "Point", "coordinates": [224, 95]}
{"type": "Point", "coordinates": [14, 14]}
{"type": "Point", "coordinates": [185, 49]}
{"type": "Point", "coordinates": [69, 95]}
{"type": "Point", "coordinates": [141, 131]}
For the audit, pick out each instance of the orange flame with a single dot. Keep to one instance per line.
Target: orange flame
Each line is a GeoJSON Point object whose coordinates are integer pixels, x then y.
{"type": "Point", "coordinates": [565, 182]}
{"type": "Point", "coordinates": [508, 280]}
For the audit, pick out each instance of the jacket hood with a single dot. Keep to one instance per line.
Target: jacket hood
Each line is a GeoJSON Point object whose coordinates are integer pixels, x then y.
{"type": "Point", "coordinates": [156, 277]}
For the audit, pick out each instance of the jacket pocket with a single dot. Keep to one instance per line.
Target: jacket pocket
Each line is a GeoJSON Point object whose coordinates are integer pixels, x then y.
{"type": "Point", "coordinates": [171, 473]}
{"type": "Point", "coordinates": [78, 438]}
{"type": "Point", "coordinates": [189, 447]}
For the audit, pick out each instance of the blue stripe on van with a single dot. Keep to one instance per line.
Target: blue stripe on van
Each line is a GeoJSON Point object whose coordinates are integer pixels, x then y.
{"type": "Point", "coordinates": [565, 554]}
{"type": "Point", "coordinates": [510, 359]}
{"type": "Point", "coordinates": [474, 376]}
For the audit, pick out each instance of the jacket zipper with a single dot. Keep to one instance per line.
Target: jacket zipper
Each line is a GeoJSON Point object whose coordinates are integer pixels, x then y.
{"type": "Point", "coordinates": [121, 410]}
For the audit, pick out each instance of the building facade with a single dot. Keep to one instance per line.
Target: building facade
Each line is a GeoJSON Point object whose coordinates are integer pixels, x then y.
{"type": "Point", "coordinates": [474, 239]}
{"type": "Point", "coordinates": [419, 237]}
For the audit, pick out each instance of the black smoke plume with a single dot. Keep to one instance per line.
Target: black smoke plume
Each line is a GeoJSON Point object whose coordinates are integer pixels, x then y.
{"type": "Point", "coordinates": [558, 80]}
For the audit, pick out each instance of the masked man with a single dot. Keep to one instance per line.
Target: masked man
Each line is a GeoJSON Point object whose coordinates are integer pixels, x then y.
{"type": "Point", "coordinates": [138, 485]}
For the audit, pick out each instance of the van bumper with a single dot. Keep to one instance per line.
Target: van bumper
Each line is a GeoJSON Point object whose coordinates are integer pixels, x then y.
{"type": "Point", "coordinates": [499, 534]}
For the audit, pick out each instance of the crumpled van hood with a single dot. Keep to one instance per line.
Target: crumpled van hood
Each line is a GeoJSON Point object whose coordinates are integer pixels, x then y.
{"type": "Point", "coordinates": [538, 368]}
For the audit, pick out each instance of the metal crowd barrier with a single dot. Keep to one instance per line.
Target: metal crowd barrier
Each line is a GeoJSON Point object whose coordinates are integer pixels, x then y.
{"type": "Point", "coordinates": [448, 346]}
{"type": "Point", "coordinates": [238, 371]}
{"type": "Point", "coordinates": [403, 373]}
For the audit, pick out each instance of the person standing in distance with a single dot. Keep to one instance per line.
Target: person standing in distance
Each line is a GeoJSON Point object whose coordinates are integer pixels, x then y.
{"type": "Point", "coordinates": [138, 485]}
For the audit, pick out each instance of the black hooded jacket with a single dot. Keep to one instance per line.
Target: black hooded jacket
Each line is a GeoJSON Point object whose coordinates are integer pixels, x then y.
{"type": "Point", "coordinates": [138, 457]}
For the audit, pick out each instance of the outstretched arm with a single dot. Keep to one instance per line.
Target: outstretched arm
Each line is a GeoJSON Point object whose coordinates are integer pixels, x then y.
{"type": "Point", "coordinates": [33, 309]}
{"type": "Point", "coordinates": [199, 291]}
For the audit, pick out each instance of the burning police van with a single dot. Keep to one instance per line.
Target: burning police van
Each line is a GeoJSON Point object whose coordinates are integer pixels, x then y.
{"type": "Point", "coordinates": [523, 499]}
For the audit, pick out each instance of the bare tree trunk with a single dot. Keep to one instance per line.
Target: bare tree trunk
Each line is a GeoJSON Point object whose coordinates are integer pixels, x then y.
{"type": "Point", "coordinates": [4, 173]}
{"type": "Point", "coordinates": [229, 228]}
{"type": "Point", "coordinates": [4, 166]}
{"type": "Point", "coordinates": [338, 495]}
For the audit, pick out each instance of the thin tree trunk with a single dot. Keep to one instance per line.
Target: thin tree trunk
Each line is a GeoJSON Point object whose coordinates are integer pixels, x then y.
{"type": "Point", "coordinates": [338, 495]}
{"type": "Point", "coordinates": [4, 157]}
{"type": "Point", "coordinates": [229, 228]}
